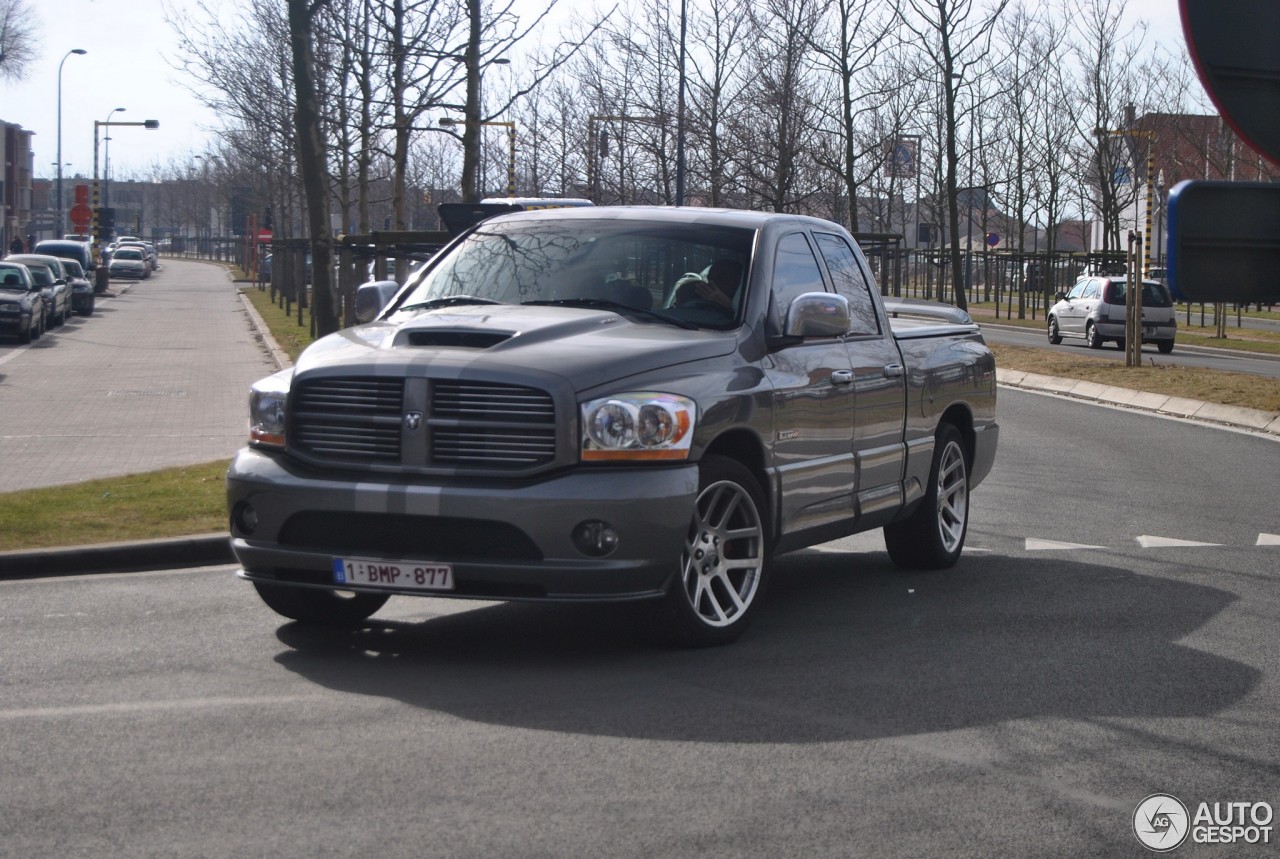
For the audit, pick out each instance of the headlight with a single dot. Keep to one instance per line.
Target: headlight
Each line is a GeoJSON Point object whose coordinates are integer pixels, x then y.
{"type": "Point", "coordinates": [639, 426]}
{"type": "Point", "coordinates": [267, 399]}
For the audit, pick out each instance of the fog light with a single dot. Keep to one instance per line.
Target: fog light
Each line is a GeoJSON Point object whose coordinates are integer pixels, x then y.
{"type": "Point", "coordinates": [595, 538]}
{"type": "Point", "coordinates": [244, 518]}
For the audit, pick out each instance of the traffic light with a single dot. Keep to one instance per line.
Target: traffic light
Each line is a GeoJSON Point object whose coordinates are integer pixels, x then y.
{"type": "Point", "coordinates": [106, 223]}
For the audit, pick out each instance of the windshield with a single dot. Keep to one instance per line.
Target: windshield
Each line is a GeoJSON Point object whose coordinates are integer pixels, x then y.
{"type": "Point", "coordinates": [128, 253]}
{"type": "Point", "coordinates": [661, 270]}
{"type": "Point", "coordinates": [41, 275]}
{"type": "Point", "coordinates": [10, 278]}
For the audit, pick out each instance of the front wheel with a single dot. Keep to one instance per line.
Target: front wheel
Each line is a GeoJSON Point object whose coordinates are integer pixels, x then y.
{"type": "Point", "coordinates": [318, 606]}
{"type": "Point", "coordinates": [933, 536]}
{"type": "Point", "coordinates": [1055, 336]}
{"type": "Point", "coordinates": [725, 561]}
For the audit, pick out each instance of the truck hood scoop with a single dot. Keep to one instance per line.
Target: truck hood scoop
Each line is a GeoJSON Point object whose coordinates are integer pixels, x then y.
{"type": "Point", "coordinates": [454, 338]}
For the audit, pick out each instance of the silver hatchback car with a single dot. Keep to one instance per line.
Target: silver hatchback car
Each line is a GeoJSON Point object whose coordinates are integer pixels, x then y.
{"type": "Point", "coordinates": [1094, 311]}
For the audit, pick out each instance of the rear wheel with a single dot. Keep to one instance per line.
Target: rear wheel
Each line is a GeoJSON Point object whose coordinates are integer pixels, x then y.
{"type": "Point", "coordinates": [1165, 346]}
{"type": "Point", "coordinates": [1055, 337]}
{"type": "Point", "coordinates": [1091, 334]}
{"type": "Point", "coordinates": [724, 565]}
{"type": "Point", "coordinates": [933, 536]}
{"type": "Point", "coordinates": [319, 606]}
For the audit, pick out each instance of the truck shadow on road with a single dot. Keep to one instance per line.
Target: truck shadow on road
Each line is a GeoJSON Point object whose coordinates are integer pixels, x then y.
{"type": "Point", "coordinates": [847, 648]}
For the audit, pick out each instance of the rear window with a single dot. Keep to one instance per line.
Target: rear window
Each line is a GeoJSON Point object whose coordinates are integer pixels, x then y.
{"type": "Point", "coordinates": [1153, 294]}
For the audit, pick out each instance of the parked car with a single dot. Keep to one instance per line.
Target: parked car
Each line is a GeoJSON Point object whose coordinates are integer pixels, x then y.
{"type": "Point", "coordinates": [49, 273]}
{"type": "Point", "coordinates": [147, 253]}
{"type": "Point", "coordinates": [22, 310]}
{"type": "Point", "coordinates": [81, 252]}
{"type": "Point", "coordinates": [129, 262]}
{"type": "Point", "coordinates": [1094, 311]}
{"type": "Point", "coordinates": [82, 293]}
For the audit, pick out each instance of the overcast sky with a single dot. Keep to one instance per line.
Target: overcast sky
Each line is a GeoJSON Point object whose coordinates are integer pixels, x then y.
{"type": "Point", "coordinates": [127, 66]}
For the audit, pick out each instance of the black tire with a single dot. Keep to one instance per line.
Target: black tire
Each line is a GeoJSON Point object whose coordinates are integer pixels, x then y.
{"type": "Point", "coordinates": [319, 606]}
{"type": "Point", "coordinates": [1165, 346]}
{"type": "Point", "coordinates": [933, 536]}
{"type": "Point", "coordinates": [1091, 335]}
{"type": "Point", "coordinates": [88, 311]}
{"type": "Point", "coordinates": [724, 567]}
{"type": "Point", "coordinates": [30, 332]}
{"type": "Point", "coordinates": [1054, 336]}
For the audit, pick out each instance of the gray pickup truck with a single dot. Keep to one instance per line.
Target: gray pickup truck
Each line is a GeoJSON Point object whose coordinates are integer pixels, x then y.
{"type": "Point", "coordinates": [613, 404]}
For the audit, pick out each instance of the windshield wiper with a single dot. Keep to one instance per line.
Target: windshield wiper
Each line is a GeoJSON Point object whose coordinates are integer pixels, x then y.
{"type": "Point", "coordinates": [448, 301]}
{"type": "Point", "coordinates": [617, 306]}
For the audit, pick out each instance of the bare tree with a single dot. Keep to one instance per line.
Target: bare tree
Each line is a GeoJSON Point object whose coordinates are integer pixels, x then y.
{"type": "Point", "coordinates": [955, 35]}
{"type": "Point", "coordinates": [17, 39]}
{"type": "Point", "coordinates": [775, 158]}
{"type": "Point", "coordinates": [1108, 54]}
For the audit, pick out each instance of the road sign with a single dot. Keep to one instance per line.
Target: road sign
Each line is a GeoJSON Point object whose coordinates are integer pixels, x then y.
{"type": "Point", "coordinates": [81, 215]}
{"type": "Point", "coordinates": [1224, 241]}
{"type": "Point", "coordinates": [1233, 46]}
{"type": "Point", "coordinates": [993, 239]}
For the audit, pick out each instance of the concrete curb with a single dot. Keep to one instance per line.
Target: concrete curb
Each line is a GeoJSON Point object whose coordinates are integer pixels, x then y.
{"type": "Point", "coordinates": [196, 550]}
{"type": "Point", "coordinates": [1163, 404]}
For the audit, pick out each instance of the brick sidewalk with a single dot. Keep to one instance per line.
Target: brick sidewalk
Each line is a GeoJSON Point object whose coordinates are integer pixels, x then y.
{"type": "Point", "coordinates": [157, 377]}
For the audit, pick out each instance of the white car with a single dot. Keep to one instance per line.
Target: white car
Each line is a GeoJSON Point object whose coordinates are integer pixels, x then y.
{"type": "Point", "coordinates": [129, 262]}
{"type": "Point", "coordinates": [1094, 311]}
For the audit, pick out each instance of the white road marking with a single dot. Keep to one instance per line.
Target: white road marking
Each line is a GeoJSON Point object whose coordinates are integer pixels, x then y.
{"type": "Point", "coordinates": [129, 707]}
{"type": "Point", "coordinates": [1149, 542]}
{"type": "Point", "coordinates": [1035, 545]}
{"type": "Point", "coordinates": [1268, 540]}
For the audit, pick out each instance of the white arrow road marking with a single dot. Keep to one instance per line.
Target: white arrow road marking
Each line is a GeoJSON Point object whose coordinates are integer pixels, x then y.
{"type": "Point", "coordinates": [1268, 540]}
{"type": "Point", "coordinates": [1148, 542]}
{"type": "Point", "coordinates": [1052, 545]}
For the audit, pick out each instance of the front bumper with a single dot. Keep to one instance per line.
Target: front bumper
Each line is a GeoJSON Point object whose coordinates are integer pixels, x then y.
{"type": "Point", "coordinates": [504, 540]}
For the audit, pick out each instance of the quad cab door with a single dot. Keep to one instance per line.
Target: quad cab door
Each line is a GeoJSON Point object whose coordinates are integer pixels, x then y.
{"type": "Point", "coordinates": [879, 383]}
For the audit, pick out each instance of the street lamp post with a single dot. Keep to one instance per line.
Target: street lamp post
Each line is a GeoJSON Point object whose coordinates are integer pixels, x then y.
{"type": "Point", "coordinates": [146, 123]}
{"type": "Point", "coordinates": [106, 168]}
{"type": "Point", "coordinates": [62, 225]}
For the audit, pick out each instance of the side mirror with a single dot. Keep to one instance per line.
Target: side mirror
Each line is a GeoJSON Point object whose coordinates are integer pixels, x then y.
{"type": "Point", "coordinates": [1059, 296]}
{"type": "Point", "coordinates": [372, 297]}
{"type": "Point", "coordinates": [817, 314]}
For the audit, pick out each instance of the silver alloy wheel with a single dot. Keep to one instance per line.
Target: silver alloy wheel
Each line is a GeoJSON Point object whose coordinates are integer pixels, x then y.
{"type": "Point", "coordinates": [953, 496]}
{"type": "Point", "coordinates": [724, 554]}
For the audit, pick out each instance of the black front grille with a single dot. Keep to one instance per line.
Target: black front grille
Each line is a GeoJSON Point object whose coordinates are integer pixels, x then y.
{"type": "Point", "coordinates": [349, 419]}
{"type": "Point", "coordinates": [480, 426]}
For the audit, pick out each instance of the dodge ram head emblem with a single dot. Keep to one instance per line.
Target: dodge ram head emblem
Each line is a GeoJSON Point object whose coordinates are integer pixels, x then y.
{"type": "Point", "coordinates": [412, 420]}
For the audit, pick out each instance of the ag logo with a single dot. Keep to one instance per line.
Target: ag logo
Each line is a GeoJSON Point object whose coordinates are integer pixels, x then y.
{"type": "Point", "coordinates": [1161, 823]}
{"type": "Point", "coordinates": [413, 420]}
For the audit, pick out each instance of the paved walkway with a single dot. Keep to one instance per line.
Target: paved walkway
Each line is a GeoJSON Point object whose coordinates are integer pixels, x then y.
{"type": "Point", "coordinates": [159, 376]}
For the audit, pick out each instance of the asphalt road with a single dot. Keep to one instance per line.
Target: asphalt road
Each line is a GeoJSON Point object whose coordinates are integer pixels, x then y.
{"type": "Point", "coordinates": [1021, 704]}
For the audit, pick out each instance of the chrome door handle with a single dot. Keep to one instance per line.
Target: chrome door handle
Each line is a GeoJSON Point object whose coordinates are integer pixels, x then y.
{"type": "Point", "coordinates": [842, 377]}
{"type": "Point", "coordinates": [893, 371]}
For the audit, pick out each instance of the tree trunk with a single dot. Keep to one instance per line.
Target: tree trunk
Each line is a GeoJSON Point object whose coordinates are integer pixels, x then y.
{"type": "Point", "coordinates": [312, 166]}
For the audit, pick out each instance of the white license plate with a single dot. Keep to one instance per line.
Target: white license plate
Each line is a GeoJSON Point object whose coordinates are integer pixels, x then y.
{"type": "Point", "coordinates": [1148, 331]}
{"type": "Point", "coordinates": [408, 575]}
